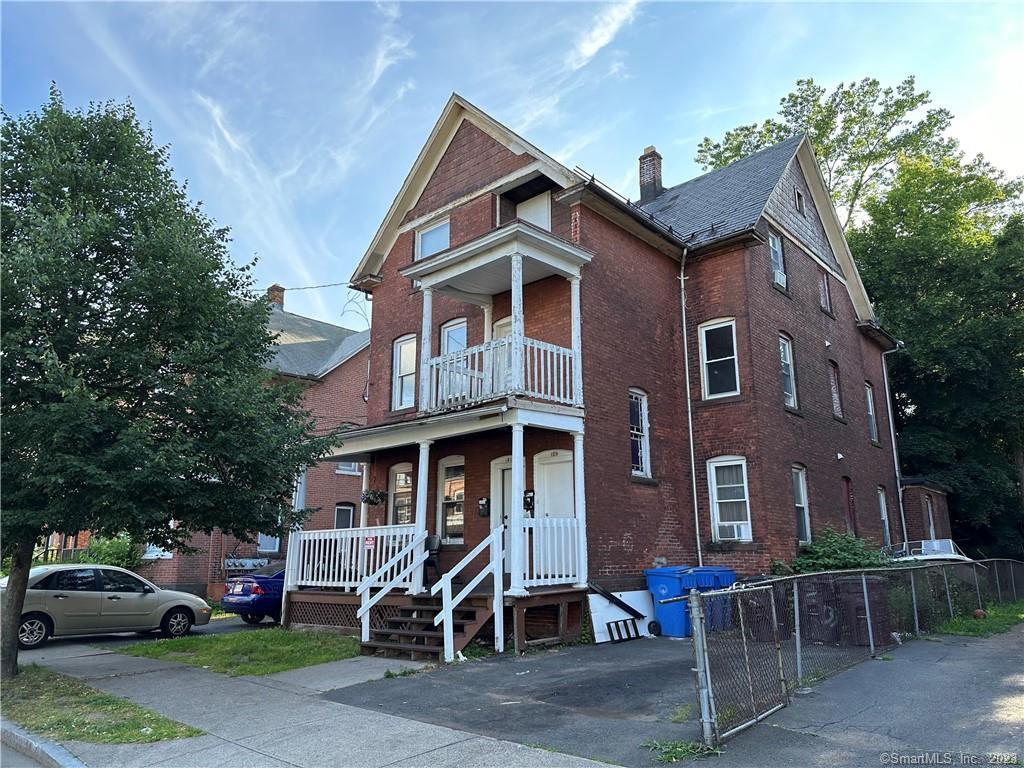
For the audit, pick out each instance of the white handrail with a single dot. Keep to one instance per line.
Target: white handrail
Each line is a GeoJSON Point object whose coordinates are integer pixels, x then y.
{"type": "Point", "coordinates": [495, 567]}
{"type": "Point", "coordinates": [368, 600]}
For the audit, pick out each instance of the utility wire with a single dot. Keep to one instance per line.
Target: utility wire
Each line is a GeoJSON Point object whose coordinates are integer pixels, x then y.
{"type": "Point", "coordinates": [311, 287]}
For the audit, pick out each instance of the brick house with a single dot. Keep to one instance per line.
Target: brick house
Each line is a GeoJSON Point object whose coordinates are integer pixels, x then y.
{"type": "Point", "coordinates": [330, 362]}
{"type": "Point", "coordinates": [601, 385]}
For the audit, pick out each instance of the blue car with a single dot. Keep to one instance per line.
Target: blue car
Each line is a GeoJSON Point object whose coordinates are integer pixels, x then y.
{"type": "Point", "coordinates": [255, 595]}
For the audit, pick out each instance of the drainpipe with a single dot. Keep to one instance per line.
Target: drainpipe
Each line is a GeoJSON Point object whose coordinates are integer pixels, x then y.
{"type": "Point", "coordinates": [689, 404]}
{"type": "Point", "coordinates": [892, 436]}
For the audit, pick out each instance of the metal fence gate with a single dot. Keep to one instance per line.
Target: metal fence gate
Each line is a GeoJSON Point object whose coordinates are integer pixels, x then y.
{"type": "Point", "coordinates": [755, 643]}
{"type": "Point", "coordinates": [740, 678]}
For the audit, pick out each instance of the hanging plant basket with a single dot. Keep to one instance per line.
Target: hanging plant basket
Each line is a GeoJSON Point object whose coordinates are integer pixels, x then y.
{"type": "Point", "coordinates": [374, 498]}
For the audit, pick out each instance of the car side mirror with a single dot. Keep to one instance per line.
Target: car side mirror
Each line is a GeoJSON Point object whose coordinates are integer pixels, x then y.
{"type": "Point", "coordinates": [147, 590]}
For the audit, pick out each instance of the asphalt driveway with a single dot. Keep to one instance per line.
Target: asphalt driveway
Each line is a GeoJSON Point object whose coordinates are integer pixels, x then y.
{"type": "Point", "coordinates": [595, 701]}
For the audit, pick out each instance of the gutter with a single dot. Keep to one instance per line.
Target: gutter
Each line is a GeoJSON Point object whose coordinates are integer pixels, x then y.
{"type": "Point", "coordinates": [892, 433]}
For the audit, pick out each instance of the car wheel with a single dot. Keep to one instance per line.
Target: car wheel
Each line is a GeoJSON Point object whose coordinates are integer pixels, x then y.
{"type": "Point", "coordinates": [33, 631]}
{"type": "Point", "coordinates": [252, 618]}
{"type": "Point", "coordinates": [177, 623]}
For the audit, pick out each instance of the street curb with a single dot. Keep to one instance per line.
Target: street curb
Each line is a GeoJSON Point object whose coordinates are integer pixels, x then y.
{"type": "Point", "coordinates": [38, 748]}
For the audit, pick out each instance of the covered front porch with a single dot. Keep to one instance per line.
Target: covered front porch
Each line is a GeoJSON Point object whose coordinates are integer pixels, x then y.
{"type": "Point", "coordinates": [454, 481]}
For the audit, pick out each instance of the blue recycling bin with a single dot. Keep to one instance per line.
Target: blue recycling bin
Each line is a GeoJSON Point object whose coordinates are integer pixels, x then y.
{"type": "Point", "coordinates": [678, 580]}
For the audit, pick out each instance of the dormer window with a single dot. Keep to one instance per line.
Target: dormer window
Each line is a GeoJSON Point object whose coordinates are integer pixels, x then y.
{"type": "Point", "coordinates": [431, 240]}
{"type": "Point", "coordinates": [798, 199]}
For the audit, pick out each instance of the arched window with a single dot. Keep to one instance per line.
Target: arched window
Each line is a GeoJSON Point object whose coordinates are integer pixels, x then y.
{"type": "Point", "coordinates": [400, 501]}
{"type": "Point", "coordinates": [639, 433]}
{"type": "Point", "coordinates": [883, 511]}
{"type": "Point", "coordinates": [869, 399]}
{"type": "Point", "coordinates": [800, 504]}
{"type": "Point", "coordinates": [345, 515]}
{"type": "Point", "coordinates": [788, 371]}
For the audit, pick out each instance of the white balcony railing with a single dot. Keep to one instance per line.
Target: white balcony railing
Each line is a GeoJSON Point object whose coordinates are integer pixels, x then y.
{"type": "Point", "coordinates": [551, 546]}
{"type": "Point", "coordinates": [489, 370]}
{"type": "Point", "coordinates": [344, 558]}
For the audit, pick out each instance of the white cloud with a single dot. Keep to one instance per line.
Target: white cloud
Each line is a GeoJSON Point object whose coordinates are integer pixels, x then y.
{"type": "Point", "coordinates": [609, 21]}
{"type": "Point", "coordinates": [992, 124]}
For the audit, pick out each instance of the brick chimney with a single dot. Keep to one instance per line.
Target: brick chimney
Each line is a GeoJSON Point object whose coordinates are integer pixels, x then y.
{"type": "Point", "coordinates": [275, 294]}
{"type": "Point", "coordinates": [650, 175]}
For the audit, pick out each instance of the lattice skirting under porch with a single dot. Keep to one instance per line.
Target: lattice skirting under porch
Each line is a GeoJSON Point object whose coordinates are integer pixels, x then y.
{"type": "Point", "coordinates": [308, 611]}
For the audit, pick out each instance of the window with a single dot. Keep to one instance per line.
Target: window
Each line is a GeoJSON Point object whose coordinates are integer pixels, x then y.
{"type": "Point", "coordinates": [266, 542]}
{"type": "Point", "coordinates": [451, 498]}
{"type": "Point", "coordinates": [869, 397]}
{"type": "Point", "coordinates": [837, 396]}
{"type": "Point", "coordinates": [824, 292]}
{"type": "Point", "coordinates": [345, 515]}
{"type": "Point", "coordinates": [849, 509]}
{"type": "Point", "coordinates": [719, 373]}
{"type": "Point", "coordinates": [76, 580]}
{"type": "Point", "coordinates": [431, 240]}
{"type": "Point", "coordinates": [639, 429]}
{"type": "Point", "coordinates": [116, 581]}
{"type": "Point", "coordinates": [348, 468]}
{"type": "Point", "coordinates": [931, 516]}
{"type": "Point", "coordinates": [788, 372]}
{"type": "Point", "coordinates": [803, 515]}
{"type": "Point", "coordinates": [453, 336]}
{"type": "Point", "coordinates": [730, 510]}
{"type": "Point", "coordinates": [403, 373]}
{"type": "Point", "coordinates": [883, 510]}
{"type": "Point", "coordinates": [798, 200]}
{"type": "Point", "coordinates": [778, 261]}
{"type": "Point", "coordinates": [400, 494]}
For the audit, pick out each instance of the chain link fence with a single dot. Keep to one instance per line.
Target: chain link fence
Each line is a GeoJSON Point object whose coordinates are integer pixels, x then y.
{"type": "Point", "coordinates": [755, 643]}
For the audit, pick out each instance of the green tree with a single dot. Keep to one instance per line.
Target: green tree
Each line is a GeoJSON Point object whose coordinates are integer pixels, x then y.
{"type": "Point", "coordinates": [858, 131]}
{"type": "Point", "coordinates": [943, 258]}
{"type": "Point", "coordinates": [134, 384]}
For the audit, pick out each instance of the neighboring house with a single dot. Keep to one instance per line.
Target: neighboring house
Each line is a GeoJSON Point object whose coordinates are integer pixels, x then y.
{"type": "Point", "coordinates": [926, 509]}
{"type": "Point", "coordinates": [331, 364]}
{"type": "Point", "coordinates": [532, 347]}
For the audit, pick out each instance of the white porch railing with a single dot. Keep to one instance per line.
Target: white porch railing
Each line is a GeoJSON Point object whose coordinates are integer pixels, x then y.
{"type": "Point", "coordinates": [344, 558]}
{"type": "Point", "coordinates": [495, 570]}
{"type": "Point", "coordinates": [399, 569]}
{"type": "Point", "coordinates": [551, 547]}
{"type": "Point", "coordinates": [485, 371]}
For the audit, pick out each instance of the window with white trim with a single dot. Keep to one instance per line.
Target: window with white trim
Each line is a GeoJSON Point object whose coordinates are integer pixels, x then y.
{"type": "Point", "coordinates": [719, 369]}
{"type": "Point", "coordinates": [639, 434]}
{"type": "Point", "coordinates": [403, 373]}
{"type": "Point", "coordinates": [837, 394]}
{"type": "Point", "coordinates": [803, 512]}
{"type": "Point", "coordinates": [348, 468]}
{"type": "Point", "coordinates": [453, 335]}
{"type": "Point", "coordinates": [451, 498]}
{"type": "Point", "coordinates": [345, 515]}
{"type": "Point", "coordinates": [730, 505]}
{"type": "Point", "coordinates": [798, 201]}
{"type": "Point", "coordinates": [869, 398]}
{"type": "Point", "coordinates": [778, 259]}
{"type": "Point", "coordinates": [400, 502]}
{"type": "Point", "coordinates": [788, 371]}
{"type": "Point", "coordinates": [824, 292]}
{"type": "Point", "coordinates": [432, 239]}
{"type": "Point", "coordinates": [883, 511]}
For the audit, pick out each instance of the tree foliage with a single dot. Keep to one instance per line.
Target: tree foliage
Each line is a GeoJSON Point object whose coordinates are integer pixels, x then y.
{"type": "Point", "coordinates": [943, 258]}
{"type": "Point", "coordinates": [858, 131]}
{"type": "Point", "coordinates": [120, 550]}
{"type": "Point", "coordinates": [833, 551]}
{"type": "Point", "coordinates": [135, 389]}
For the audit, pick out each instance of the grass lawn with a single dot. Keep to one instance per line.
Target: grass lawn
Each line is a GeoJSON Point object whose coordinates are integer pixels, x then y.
{"type": "Point", "coordinates": [260, 652]}
{"type": "Point", "coordinates": [63, 708]}
{"type": "Point", "coordinates": [1001, 618]}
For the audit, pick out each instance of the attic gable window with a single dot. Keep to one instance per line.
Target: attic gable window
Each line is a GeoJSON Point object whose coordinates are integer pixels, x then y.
{"type": "Point", "coordinates": [798, 199]}
{"type": "Point", "coordinates": [432, 239]}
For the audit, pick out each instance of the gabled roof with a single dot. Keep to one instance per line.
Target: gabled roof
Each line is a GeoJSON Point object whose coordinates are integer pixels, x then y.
{"type": "Point", "coordinates": [455, 112]}
{"type": "Point", "coordinates": [725, 201]}
{"type": "Point", "coordinates": [310, 348]}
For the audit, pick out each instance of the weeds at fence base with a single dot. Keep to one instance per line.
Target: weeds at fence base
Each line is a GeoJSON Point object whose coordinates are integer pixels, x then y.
{"type": "Point", "coordinates": [999, 618]}
{"type": "Point", "coordinates": [681, 713]}
{"type": "Point", "coordinates": [677, 751]}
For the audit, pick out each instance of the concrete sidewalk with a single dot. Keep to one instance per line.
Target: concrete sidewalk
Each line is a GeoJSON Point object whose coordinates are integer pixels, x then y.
{"type": "Point", "coordinates": [278, 720]}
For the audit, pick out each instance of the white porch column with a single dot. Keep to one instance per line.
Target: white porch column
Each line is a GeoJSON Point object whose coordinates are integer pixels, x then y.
{"type": "Point", "coordinates": [426, 335]}
{"type": "Point", "coordinates": [518, 329]}
{"type": "Point", "coordinates": [422, 478]}
{"type": "Point", "coordinates": [364, 508]}
{"type": "Point", "coordinates": [579, 494]}
{"type": "Point", "coordinates": [517, 548]}
{"type": "Point", "coordinates": [577, 341]}
{"type": "Point", "coordinates": [488, 321]}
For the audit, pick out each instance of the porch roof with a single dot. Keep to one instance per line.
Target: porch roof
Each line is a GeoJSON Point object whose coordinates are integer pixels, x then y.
{"type": "Point", "coordinates": [358, 444]}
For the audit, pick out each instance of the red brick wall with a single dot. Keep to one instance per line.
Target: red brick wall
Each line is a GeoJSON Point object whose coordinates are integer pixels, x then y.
{"type": "Point", "coordinates": [916, 510]}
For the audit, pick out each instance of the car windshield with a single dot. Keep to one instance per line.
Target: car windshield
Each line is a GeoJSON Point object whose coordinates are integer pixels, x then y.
{"type": "Point", "coordinates": [271, 569]}
{"type": "Point", "coordinates": [33, 572]}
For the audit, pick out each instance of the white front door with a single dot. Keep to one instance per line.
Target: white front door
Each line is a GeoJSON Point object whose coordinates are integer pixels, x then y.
{"type": "Point", "coordinates": [501, 501]}
{"type": "Point", "coordinates": [502, 359]}
{"type": "Point", "coordinates": [553, 549]}
{"type": "Point", "coordinates": [552, 478]}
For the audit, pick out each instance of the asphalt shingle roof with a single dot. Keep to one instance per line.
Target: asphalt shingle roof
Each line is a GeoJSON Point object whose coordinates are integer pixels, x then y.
{"type": "Point", "coordinates": [726, 201]}
{"type": "Point", "coordinates": [310, 348]}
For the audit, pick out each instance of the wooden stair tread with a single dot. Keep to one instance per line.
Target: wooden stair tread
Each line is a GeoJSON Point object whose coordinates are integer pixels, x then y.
{"type": "Point", "coordinates": [384, 645]}
{"type": "Point", "coordinates": [425, 620]}
{"type": "Point", "coordinates": [411, 633]}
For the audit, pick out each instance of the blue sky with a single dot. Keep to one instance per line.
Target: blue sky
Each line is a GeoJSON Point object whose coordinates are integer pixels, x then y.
{"type": "Point", "coordinates": [295, 123]}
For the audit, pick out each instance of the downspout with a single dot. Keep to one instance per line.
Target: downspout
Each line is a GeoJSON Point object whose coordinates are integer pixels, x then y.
{"type": "Point", "coordinates": [689, 404]}
{"type": "Point", "coordinates": [892, 436]}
